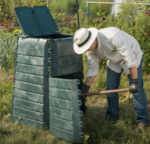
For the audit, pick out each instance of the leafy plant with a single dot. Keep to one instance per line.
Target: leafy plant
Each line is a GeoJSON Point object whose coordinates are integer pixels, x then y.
{"type": "Point", "coordinates": [17, 31]}
{"type": "Point", "coordinates": [67, 6]}
{"type": "Point", "coordinates": [8, 44]}
{"type": "Point", "coordinates": [7, 9]}
{"type": "Point", "coordinates": [6, 90]}
{"type": "Point", "coordinates": [97, 9]}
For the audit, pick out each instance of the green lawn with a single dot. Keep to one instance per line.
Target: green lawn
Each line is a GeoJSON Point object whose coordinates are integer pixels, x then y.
{"type": "Point", "coordinates": [96, 129]}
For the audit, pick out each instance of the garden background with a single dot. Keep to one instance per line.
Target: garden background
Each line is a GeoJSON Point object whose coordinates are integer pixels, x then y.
{"type": "Point", "coordinates": [133, 19]}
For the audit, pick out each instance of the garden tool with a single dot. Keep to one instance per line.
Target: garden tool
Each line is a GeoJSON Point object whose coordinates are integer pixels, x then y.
{"type": "Point", "coordinates": [83, 96]}
{"type": "Point", "coordinates": [104, 92]}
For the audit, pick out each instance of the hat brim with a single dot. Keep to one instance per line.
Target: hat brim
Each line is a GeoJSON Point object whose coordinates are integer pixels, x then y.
{"type": "Point", "coordinates": [85, 47]}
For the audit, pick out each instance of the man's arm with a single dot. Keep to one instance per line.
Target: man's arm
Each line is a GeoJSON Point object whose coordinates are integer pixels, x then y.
{"type": "Point", "coordinates": [87, 84]}
{"type": "Point", "coordinates": [133, 72]}
{"type": "Point", "coordinates": [90, 80]}
{"type": "Point", "coordinates": [125, 50]}
{"type": "Point", "coordinates": [134, 88]}
{"type": "Point", "coordinates": [92, 72]}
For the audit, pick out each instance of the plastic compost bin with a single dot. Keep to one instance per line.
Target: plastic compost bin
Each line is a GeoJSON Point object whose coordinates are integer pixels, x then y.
{"type": "Point", "coordinates": [48, 77]}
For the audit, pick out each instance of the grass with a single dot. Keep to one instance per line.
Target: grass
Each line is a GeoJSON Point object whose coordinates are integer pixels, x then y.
{"type": "Point", "coordinates": [96, 130]}
{"type": "Point", "coordinates": [8, 44]}
{"type": "Point", "coordinates": [12, 133]}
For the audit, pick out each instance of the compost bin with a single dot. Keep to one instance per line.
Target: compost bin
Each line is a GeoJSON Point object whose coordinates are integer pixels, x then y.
{"type": "Point", "coordinates": [48, 77]}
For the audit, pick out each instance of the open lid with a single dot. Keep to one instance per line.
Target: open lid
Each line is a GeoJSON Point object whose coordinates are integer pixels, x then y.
{"type": "Point", "coordinates": [36, 21]}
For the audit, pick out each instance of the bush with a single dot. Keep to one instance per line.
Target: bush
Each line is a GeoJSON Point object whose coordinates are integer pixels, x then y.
{"type": "Point", "coordinates": [97, 9]}
{"type": "Point", "coordinates": [7, 8]}
{"type": "Point", "coordinates": [17, 31]}
{"type": "Point", "coordinates": [10, 30]}
{"type": "Point", "coordinates": [67, 6]}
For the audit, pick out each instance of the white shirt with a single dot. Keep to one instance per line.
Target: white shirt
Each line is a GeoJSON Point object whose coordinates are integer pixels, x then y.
{"type": "Point", "coordinates": [121, 50]}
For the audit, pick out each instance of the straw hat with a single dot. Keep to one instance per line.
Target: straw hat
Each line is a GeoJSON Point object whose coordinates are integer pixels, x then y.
{"type": "Point", "coordinates": [83, 39]}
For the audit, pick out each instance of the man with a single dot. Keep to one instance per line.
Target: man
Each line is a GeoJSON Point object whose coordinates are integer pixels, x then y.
{"type": "Point", "coordinates": [122, 52]}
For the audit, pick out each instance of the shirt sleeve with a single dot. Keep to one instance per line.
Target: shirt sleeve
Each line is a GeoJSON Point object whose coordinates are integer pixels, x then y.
{"type": "Point", "coordinates": [124, 49]}
{"type": "Point", "coordinates": [93, 64]}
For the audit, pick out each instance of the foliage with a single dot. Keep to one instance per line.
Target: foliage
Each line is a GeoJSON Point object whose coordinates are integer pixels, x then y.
{"type": "Point", "coordinates": [61, 19]}
{"type": "Point", "coordinates": [94, 9]}
{"type": "Point", "coordinates": [5, 24]}
{"type": "Point", "coordinates": [8, 44]}
{"type": "Point", "coordinates": [67, 6]}
{"type": "Point", "coordinates": [68, 24]}
{"type": "Point", "coordinates": [17, 31]}
{"type": "Point", "coordinates": [10, 29]}
{"type": "Point", "coordinates": [7, 9]}
{"type": "Point", "coordinates": [29, 3]}
{"type": "Point", "coordinates": [60, 10]}
{"type": "Point", "coordinates": [6, 90]}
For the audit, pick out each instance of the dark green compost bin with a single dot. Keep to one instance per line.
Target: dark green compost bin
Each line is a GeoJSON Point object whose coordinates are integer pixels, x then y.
{"type": "Point", "coordinates": [48, 77]}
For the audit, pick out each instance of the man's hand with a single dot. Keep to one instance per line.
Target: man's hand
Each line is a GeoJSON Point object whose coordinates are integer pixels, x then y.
{"type": "Point", "coordinates": [134, 88]}
{"type": "Point", "coordinates": [85, 88]}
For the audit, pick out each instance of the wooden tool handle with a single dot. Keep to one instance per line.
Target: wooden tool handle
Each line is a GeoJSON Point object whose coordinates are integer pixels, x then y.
{"type": "Point", "coordinates": [105, 92]}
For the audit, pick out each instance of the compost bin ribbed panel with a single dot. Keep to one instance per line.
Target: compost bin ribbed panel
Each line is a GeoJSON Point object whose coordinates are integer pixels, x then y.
{"type": "Point", "coordinates": [29, 122]}
{"type": "Point", "coordinates": [65, 111]}
{"type": "Point", "coordinates": [30, 106]}
{"type": "Point", "coordinates": [33, 47]}
{"type": "Point", "coordinates": [32, 97]}
{"type": "Point", "coordinates": [30, 60]}
{"type": "Point", "coordinates": [65, 60]}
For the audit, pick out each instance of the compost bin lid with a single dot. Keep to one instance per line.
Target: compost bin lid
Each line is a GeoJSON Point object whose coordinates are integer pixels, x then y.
{"type": "Point", "coordinates": [36, 21]}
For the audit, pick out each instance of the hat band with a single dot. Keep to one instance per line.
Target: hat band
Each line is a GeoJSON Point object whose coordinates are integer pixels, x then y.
{"type": "Point", "coordinates": [85, 40]}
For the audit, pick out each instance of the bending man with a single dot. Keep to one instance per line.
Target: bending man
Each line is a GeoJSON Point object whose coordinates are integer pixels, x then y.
{"type": "Point", "coordinates": [122, 52]}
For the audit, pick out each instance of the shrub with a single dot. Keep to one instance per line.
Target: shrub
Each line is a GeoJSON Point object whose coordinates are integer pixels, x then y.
{"type": "Point", "coordinates": [10, 29]}
{"type": "Point", "coordinates": [17, 31]}
{"type": "Point", "coordinates": [67, 6]}
{"type": "Point", "coordinates": [7, 8]}
{"type": "Point", "coordinates": [96, 9]}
